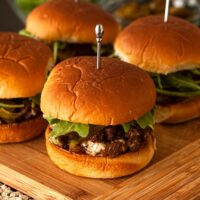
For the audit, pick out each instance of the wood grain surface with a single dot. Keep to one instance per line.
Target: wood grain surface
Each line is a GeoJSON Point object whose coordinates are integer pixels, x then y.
{"type": "Point", "coordinates": [176, 176]}
{"type": "Point", "coordinates": [174, 173]}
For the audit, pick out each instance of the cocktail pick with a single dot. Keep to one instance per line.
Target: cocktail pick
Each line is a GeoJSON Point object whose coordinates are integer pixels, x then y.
{"type": "Point", "coordinates": [99, 34]}
{"type": "Point", "coordinates": [166, 10]}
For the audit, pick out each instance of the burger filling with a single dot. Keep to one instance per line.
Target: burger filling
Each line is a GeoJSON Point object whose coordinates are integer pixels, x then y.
{"type": "Point", "coordinates": [106, 141]}
{"type": "Point", "coordinates": [63, 50]}
{"type": "Point", "coordinates": [19, 109]}
{"type": "Point", "coordinates": [177, 87]}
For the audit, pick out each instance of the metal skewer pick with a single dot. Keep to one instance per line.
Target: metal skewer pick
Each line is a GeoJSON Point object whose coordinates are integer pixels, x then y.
{"type": "Point", "coordinates": [166, 10]}
{"type": "Point", "coordinates": [99, 34]}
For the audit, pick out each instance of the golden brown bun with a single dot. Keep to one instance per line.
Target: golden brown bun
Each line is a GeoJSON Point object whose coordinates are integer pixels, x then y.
{"type": "Point", "coordinates": [160, 47]}
{"type": "Point", "coordinates": [100, 167]}
{"type": "Point", "coordinates": [66, 20]}
{"type": "Point", "coordinates": [19, 132]}
{"type": "Point", "coordinates": [116, 93]}
{"type": "Point", "coordinates": [179, 112]}
{"type": "Point", "coordinates": [24, 64]}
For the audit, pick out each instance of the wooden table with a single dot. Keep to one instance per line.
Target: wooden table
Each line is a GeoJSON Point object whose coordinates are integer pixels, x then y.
{"type": "Point", "coordinates": [174, 173]}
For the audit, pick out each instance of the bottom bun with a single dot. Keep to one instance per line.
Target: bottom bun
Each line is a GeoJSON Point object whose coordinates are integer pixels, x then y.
{"type": "Point", "coordinates": [179, 112]}
{"type": "Point", "coordinates": [19, 132]}
{"type": "Point", "coordinates": [100, 167]}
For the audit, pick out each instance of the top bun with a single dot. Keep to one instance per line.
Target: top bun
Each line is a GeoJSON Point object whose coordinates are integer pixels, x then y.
{"type": "Point", "coordinates": [160, 47]}
{"type": "Point", "coordinates": [24, 63]}
{"type": "Point", "coordinates": [116, 93]}
{"type": "Point", "coordinates": [66, 20]}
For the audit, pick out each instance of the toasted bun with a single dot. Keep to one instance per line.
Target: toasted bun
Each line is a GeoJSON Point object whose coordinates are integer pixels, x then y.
{"type": "Point", "coordinates": [24, 64]}
{"type": "Point", "coordinates": [100, 167]}
{"type": "Point", "coordinates": [179, 112]}
{"type": "Point", "coordinates": [160, 47]}
{"type": "Point", "coordinates": [19, 132]}
{"type": "Point", "coordinates": [66, 20]}
{"type": "Point", "coordinates": [116, 93]}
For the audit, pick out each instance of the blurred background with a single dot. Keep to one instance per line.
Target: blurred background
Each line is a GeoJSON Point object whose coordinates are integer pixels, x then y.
{"type": "Point", "coordinates": [9, 21]}
{"type": "Point", "coordinates": [13, 12]}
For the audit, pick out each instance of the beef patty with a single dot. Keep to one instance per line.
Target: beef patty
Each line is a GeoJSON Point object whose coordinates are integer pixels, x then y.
{"type": "Point", "coordinates": [110, 141]}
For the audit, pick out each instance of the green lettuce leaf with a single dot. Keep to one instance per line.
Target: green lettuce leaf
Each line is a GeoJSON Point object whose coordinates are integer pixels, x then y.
{"type": "Point", "coordinates": [182, 82]}
{"type": "Point", "coordinates": [179, 84]}
{"type": "Point", "coordinates": [127, 126]}
{"type": "Point", "coordinates": [11, 110]}
{"type": "Point", "coordinates": [9, 116]}
{"type": "Point", "coordinates": [60, 127]}
{"type": "Point", "coordinates": [35, 100]}
{"type": "Point", "coordinates": [58, 46]}
{"type": "Point", "coordinates": [5, 105]}
{"type": "Point", "coordinates": [178, 94]}
{"type": "Point", "coordinates": [196, 71]}
{"type": "Point", "coordinates": [144, 122]}
{"type": "Point", "coordinates": [25, 33]}
{"type": "Point", "coordinates": [51, 120]}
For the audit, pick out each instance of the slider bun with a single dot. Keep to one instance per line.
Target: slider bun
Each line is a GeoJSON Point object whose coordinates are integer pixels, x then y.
{"type": "Point", "coordinates": [100, 167]}
{"type": "Point", "coordinates": [179, 112]}
{"type": "Point", "coordinates": [66, 20]}
{"type": "Point", "coordinates": [24, 63]}
{"type": "Point", "coordinates": [25, 130]}
{"type": "Point", "coordinates": [160, 47]}
{"type": "Point", "coordinates": [116, 93]}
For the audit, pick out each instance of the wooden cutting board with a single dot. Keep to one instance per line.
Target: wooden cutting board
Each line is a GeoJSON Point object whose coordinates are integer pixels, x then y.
{"type": "Point", "coordinates": [174, 173]}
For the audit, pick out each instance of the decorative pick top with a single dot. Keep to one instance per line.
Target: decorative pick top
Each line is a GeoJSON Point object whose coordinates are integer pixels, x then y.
{"type": "Point", "coordinates": [99, 34]}
{"type": "Point", "coordinates": [166, 10]}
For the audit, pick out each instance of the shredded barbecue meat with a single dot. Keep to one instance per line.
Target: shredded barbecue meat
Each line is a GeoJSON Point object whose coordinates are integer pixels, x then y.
{"type": "Point", "coordinates": [110, 141]}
